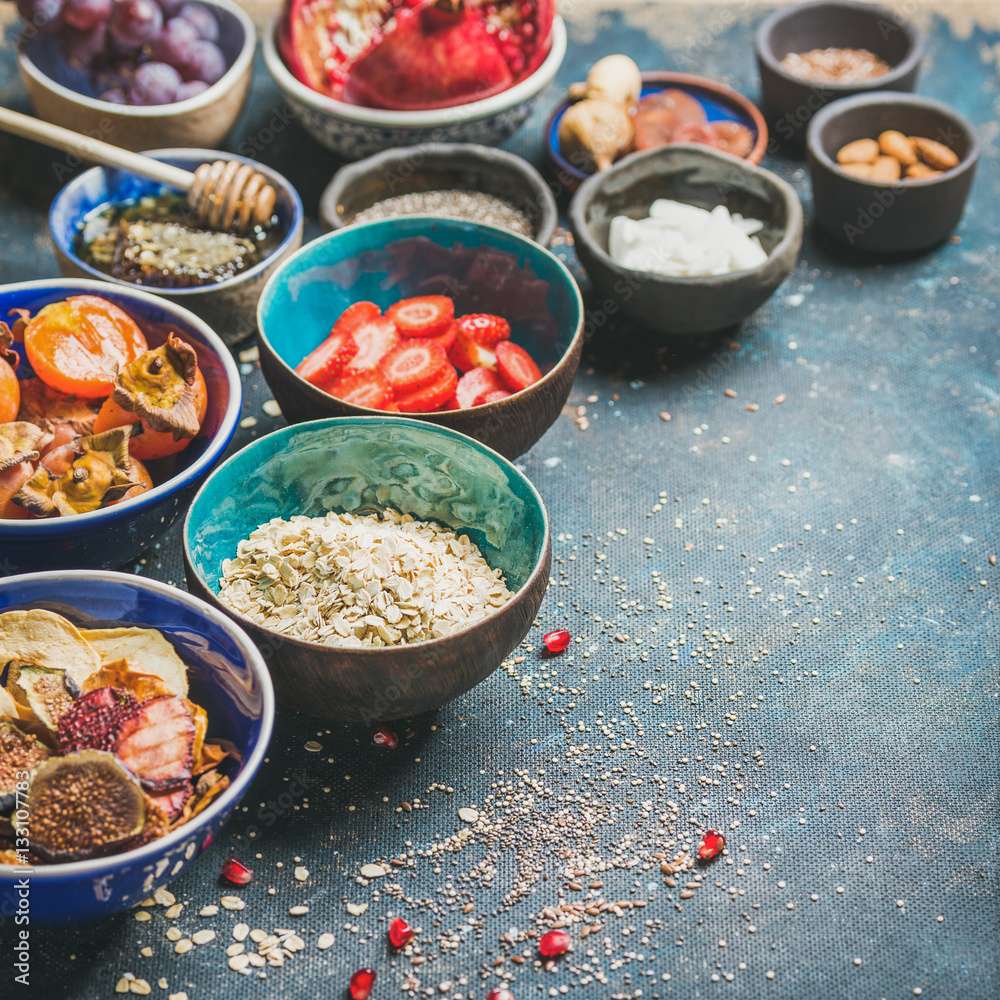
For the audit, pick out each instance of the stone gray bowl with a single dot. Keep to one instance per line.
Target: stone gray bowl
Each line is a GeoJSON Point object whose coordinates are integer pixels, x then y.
{"type": "Point", "coordinates": [788, 101]}
{"type": "Point", "coordinates": [440, 166]}
{"type": "Point", "coordinates": [900, 218]}
{"type": "Point", "coordinates": [697, 175]}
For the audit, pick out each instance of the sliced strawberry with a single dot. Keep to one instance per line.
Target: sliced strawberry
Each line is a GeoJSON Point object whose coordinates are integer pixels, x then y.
{"type": "Point", "coordinates": [465, 354]}
{"type": "Point", "coordinates": [430, 397]}
{"type": "Point", "coordinates": [492, 397]}
{"type": "Point", "coordinates": [475, 384]}
{"type": "Point", "coordinates": [156, 743]}
{"type": "Point", "coordinates": [368, 388]}
{"type": "Point", "coordinates": [447, 338]}
{"type": "Point", "coordinates": [354, 315]}
{"type": "Point", "coordinates": [450, 404]}
{"type": "Point", "coordinates": [173, 802]}
{"type": "Point", "coordinates": [328, 360]}
{"type": "Point", "coordinates": [424, 316]}
{"type": "Point", "coordinates": [516, 366]}
{"type": "Point", "coordinates": [413, 363]}
{"type": "Point", "coordinates": [485, 329]}
{"type": "Point", "coordinates": [375, 338]}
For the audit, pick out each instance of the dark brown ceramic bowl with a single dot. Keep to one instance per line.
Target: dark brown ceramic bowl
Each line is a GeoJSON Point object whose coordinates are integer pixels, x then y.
{"type": "Point", "coordinates": [698, 176]}
{"type": "Point", "coordinates": [907, 216]}
{"type": "Point", "coordinates": [483, 268]}
{"type": "Point", "coordinates": [366, 464]}
{"type": "Point", "coordinates": [789, 101]}
{"type": "Point", "coordinates": [440, 166]}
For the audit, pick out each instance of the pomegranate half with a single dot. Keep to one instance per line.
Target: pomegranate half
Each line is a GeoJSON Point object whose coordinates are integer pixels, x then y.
{"type": "Point", "coordinates": [414, 55]}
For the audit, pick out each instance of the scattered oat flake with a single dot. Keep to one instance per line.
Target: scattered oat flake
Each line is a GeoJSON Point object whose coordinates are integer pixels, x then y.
{"type": "Point", "coordinates": [122, 985]}
{"type": "Point", "coordinates": [178, 996]}
{"type": "Point", "coordinates": [664, 415]}
{"type": "Point", "coordinates": [232, 903]}
{"type": "Point", "coordinates": [731, 393]}
{"type": "Point", "coordinates": [240, 931]}
{"type": "Point", "coordinates": [313, 747]}
{"type": "Point", "coordinates": [356, 909]}
{"type": "Point", "coordinates": [247, 357]}
{"type": "Point", "coordinates": [752, 407]}
{"type": "Point", "coordinates": [372, 871]}
{"type": "Point", "coordinates": [301, 873]}
{"type": "Point", "coordinates": [779, 399]}
{"type": "Point", "coordinates": [325, 941]}
{"type": "Point", "coordinates": [468, 814]}
{"type": "Point", "coordinates": [271, 408]}
{"type": "Point", "coordinates": [247, 422]}
{"type": "Point", "coordinates": [208, 911]}
{"type": "Point", "coordinates": [143, 915]}
{"type": "Point", "coordinates": [203, 936]}
{"type": "Point", "coordinates": [140, 987]}
{"type": "Point", "coordinates": [298, 911]}
{"type": "Point", "coordinates": [183, 946]}
{"type": "Point", "coordinates": [146, 952]}
{"type": "Point", "coordinates": [164, 897]}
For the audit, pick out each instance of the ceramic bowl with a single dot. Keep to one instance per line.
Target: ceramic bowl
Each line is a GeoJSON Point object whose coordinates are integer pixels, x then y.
{"type": "Point", "coordinates": [362, 464]}
{"type": "Point", "coordinates": [905, 217]}
{"type": "Point", "coordinates": [230, 307]}
{"type": "Point", "coordinates": [721, 103]}
{"type": "Point", "coordinates": [438, 166]}
{"type": "Point", "coordinates": [699, 176]}
{"type": "Point", "coordinates": [483, 268]}
{"type": "Point", "coordinates": [64, 96]}
{"type": "Point", "coordinates": [789, 102]}
{"type": "Point", "coordinates": [353, 132]}
{"type": "Point", "coordinates": [115, 535]}
{"type": "Point", "coordinates": [227, 678]}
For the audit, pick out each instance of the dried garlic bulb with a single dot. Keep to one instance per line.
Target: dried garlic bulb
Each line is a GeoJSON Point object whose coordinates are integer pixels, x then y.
{"type": "Point", "coordinates": [615, 79]}
{"type": "Point", "coordinates": [595, 132]}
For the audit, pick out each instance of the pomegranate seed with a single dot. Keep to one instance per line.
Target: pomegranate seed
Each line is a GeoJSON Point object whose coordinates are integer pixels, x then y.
{"type": "Point", "coordinates": [235, 871]}
{"type": "Point", "coordinates": [499, 993]}
{"type": "Point", "coordinates": [383, 736]}
{"type": "Point", "coordinates": [556, 642]}
{"type": "Point", "coordinates": [554, 943]}
{"type": "Point", "coordinates": [361, 983]}
{"type": "Point", "coordinates": [710, 845]}
{"type": "Point", "coordinates": [400, 932]}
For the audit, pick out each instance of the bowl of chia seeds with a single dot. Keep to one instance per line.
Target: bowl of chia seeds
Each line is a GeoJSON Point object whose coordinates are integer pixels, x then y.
{"type": "Point", "coordinates": [453, 180]}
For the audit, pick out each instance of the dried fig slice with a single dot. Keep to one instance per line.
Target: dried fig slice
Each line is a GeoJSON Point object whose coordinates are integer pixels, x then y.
{"type": "Point", "coordinates": [95, 719]}
{"type": "Point", "coordinates": [47, 407]}
{"type": "Point", "coordinates": [160, 387]}
{"type": "Point", "coordinates": [19, 441]}
{"type": "Point", "coordinates": [45, 692]}
{"type": "Point", "coordinates": [98, 477]}
{"type": "Point", "coordinates": [19, 753]}
{"type": "Point", "coordinates": [84, 805]}
{"type": "Point", "coordinates": [157, 743]}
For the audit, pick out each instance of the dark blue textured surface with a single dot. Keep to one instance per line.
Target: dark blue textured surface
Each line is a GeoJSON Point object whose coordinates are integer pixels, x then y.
{"type": "Point", "coordinates": [893, 408]}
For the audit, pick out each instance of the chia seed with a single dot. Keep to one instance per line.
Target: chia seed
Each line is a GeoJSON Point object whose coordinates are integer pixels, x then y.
{"type": "Point", "coordinates": [471, 206]}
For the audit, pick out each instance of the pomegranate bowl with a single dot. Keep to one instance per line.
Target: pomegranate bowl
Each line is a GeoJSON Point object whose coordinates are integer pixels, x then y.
{"type": "Point", "coordinates": [433, 74]}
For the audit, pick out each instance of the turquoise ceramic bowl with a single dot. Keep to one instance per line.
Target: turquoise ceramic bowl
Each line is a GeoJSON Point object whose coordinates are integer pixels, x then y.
{"type": "Point", "coordinates": [483, 268]}
{"type": "Point", "coordinates": [366, 464]}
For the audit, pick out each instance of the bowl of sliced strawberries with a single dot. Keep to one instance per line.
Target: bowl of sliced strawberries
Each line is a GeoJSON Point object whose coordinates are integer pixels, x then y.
{"type": "Point", "coordinates": [466, 325]}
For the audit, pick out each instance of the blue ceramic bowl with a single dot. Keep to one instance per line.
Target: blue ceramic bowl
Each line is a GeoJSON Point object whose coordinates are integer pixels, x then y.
{"type": "Point", "coordinates": [720, 103]}
{"type": "Point", "coordinates": [113, 536]}
{"type": "Point", "coordinates": [229, 307]}
{"type": "Point", "coordinates": [352, 131]}
{"type": "Point", "coordinates": [366, 464]}
{"type": "Point", "coordinates": [483, 268]}
{"type": "Point", "coordinates": [227, 678]}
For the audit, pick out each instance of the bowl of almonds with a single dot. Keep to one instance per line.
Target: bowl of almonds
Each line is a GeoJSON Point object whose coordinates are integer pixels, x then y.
{"type": "Point", "coordinates": [890, 172]}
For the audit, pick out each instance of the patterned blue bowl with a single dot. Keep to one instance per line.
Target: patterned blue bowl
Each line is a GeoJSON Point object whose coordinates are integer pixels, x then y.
{"type": "Point", "coordinates": [227, 678]}
{"type": "Point", "coordinates": [229, 307]}
{"type": "Point", "coordinates": [113, 536]}
{"type": "Point", "coordinates": [366, 464]}
{"type": "Point", "coordinates": [352, 131]}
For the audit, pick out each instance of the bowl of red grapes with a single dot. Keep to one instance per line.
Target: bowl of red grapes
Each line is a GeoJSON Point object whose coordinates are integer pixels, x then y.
{"type": "Point", "coordinates": [127, 70]}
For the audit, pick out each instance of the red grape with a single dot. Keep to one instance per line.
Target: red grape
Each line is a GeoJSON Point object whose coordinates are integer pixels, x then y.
{"type": "Point", "coordinates": [135, 22]}
{"type": "Point", "coordinates": [173, 44]}
{"type": "Point", "coordinates": [171, 8]}
{"type": "Point", "coordinates": [154, 83]}
{"type": "Point", "coordinates": [115, 96]}
{"type": "Point", "coordinates": [190, 89]}
{"type": "Point", "coordinates": [206, 62]}
{"type": "Point", "coordinates": [44, 15]}
{"type": "Point", "coordinates": [203, 20]}
{"type": "Point", "coordinates": [80, 47]}
{"type": "Point", "coordinates": [85, 15]}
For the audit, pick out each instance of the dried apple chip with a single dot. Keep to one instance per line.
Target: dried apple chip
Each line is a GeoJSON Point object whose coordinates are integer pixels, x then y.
{"type": "Point", "coordinates": [47, 640]}
{"type": "Point", "coordinates": [121, 675]}
{"type": "Point", "coordinates": [147, 650]}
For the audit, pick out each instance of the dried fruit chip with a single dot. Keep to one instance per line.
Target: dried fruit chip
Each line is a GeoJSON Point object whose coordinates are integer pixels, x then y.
{"type": "Point", "coordinates": [147, 651]}
{"type": "Point", "coordinates": [95, 719]}
{"type": "Point", "coordinates": [19, 443]}
{"type": "Point", "coordinates": [118, 674]}
{"type": "Point", "coordinates": [171, 804]}
{"type": "Point", "coordinates": [19, 753]}
{"type": "Point", "coordinates": [156, 743]}
{"type": "Point", "coordinates": [160, 386]}
{"type": "Point", "coordinates": [44, 691]}
{"type": "Point", "coordinates": [47, 640]}
{"type": "Point", "coordinates": [83, 805]}
{"type": "Point", "coordinates": [97, 478]}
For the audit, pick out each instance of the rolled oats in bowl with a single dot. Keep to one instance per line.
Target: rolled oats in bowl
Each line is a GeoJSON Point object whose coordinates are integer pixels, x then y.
{"type": "Point", "coordinates": [360, 580]}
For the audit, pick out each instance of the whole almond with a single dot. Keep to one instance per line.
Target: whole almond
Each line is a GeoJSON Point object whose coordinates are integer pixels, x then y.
{"type": "Point", "coordinates": [918, 171]}
{"type": "Point", "coordinates": [858, 169]}
{"type": "Point", "coordinates": [859, 151]}
{"type": "Point", "coordinates": [935, 154]}
{"type": "Point", "coordinates": [886, 168]}
{"type": "Point", "coordinates": [896, 144]}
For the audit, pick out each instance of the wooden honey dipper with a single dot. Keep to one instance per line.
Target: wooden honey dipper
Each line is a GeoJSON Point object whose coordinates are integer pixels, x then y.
{"type": "Point", "coordinates": [226, 194]}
